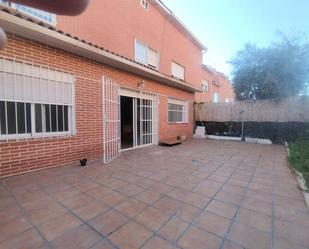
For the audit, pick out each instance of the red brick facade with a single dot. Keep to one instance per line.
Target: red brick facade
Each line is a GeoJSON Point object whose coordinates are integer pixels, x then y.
{"type": "Point", "coordinates": [21, 156]}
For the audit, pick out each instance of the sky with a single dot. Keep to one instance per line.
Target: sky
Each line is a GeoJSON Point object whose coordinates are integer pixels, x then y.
{"type": "Point", "coordinates": [225, 26]}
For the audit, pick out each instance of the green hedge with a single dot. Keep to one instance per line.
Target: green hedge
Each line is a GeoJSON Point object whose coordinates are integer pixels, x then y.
{"type": "Point", "coordinates": [299, 157]}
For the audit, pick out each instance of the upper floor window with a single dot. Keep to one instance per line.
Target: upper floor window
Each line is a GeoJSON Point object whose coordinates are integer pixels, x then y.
{"type": "Point", "coordinates": [178, 71]}
{"type": "Point", "coordinates": [34, 101]}
{"type": "Point", "coordinates": [146, 55]}
{"type": "Point", "coordinates": [39, 14]}
{"type": "Point", "coordinates": [177, 111]}
{"type": "Point", "coordinates": [204, 86]}
{"type": "Point", "coordinates": [145, 4]}
{"type": "Point", "coordinates": [216, 98]}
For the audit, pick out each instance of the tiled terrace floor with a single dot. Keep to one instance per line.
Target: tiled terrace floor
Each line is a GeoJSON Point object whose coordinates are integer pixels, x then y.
{"type": "Point", "coordinates": [199, 195]}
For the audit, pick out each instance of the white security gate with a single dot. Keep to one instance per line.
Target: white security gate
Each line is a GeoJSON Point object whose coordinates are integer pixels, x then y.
{"type": "Point", "coordinates": [148, 118]}
{"type": "Point", "coordinates": [111, 119]}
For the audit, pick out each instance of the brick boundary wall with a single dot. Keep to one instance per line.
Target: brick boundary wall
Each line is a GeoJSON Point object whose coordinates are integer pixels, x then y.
{"type": "Point", "coordinates": [26, 155]}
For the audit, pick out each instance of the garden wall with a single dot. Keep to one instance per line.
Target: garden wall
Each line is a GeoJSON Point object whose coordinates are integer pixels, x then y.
{"type": "Point", "coordinates": [279, 121]}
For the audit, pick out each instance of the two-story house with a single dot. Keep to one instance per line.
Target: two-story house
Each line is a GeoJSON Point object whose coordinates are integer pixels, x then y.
{"type": "Point", "coordinates": [117, 77]}
{"type": "Point", "coordinates": [122, 75]}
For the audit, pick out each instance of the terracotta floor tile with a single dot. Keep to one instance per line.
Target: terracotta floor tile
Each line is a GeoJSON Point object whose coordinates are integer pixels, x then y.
{"type": "Point", "coordinates": [213, 223]}
{"type": "Point", "coordinates": [76, 201]}
{"type": "Point", "coordinates": [130, 236]}
{"type": "Point", "coordinates": [78, 238]}
{"type": "Point", "coordinates": [257, 205]}
{"type": "Point", "coordinates": [108, 222]}
{"type": "Point", "coordinates": [249, 237]}
{"type": "Point", "coordinates": [44, 214]}
{"type": "Point", "coordinates": [130, 207]}
{"type": "Point", "coordinates": [284, 244]}
{"type": "Point", "coordinates": [167, 205]}
{"type": "Point", "coordinates": [131, 190]}
{"type": "Point", "coordinates": [28, 239]}
{"type": "Point", "coordinates": [231, 245]}
{"type": "Point", "coordinates": [197, 169]}
{"type": "Point", "coordinates": [207, 191]}
{"type": "Point", "coordinates": [222, 209]}
{"type": "Point", "coordinates": [158, 243]}
{"type": "Point", "coordinates": [227, 197]}
{"type": "Point", "coordinates": [254, 219]}
{"type": "Point", "coordinates": [113, 199]}
{"type": "Point", "coordinates": [152, 218]}
{"type": "Point", "coordinates": [90, 210]}
{"type": "Point", "coordinates": [173, 229]}
{"type": "Point", "coordinates": [195, 238]}
{"type": "Point", "coordinates": [57, 226]}
{"type": "Point", "coordinates": [187, 212]}
{"type": "Point", "coordinates": [295, 234]}
{"type": "Point", "coordinates": [103, 244]}
{"type": "Point", "coordinates": [13, 227]}
{"type": "Point", "coordinates": [148, 197]}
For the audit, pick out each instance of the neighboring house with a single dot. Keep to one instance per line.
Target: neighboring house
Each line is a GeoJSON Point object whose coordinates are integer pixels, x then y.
{"type": "Point", "coordinates": [64, 96]}
{"type": "Point", "coordinates": [215, 87]}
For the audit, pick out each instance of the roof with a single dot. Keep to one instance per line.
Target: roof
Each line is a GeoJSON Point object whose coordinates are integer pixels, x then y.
{"type": "Point", "coordinates": [214, 71]}
{"type": "Point", "coordinates": [24, 25]}
{"type": "Point", "coordinates": [175, 20]}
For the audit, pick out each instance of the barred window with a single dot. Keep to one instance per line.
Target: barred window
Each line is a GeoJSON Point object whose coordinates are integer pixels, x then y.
{"type": "Point", "coordinates": [177, 111]}
{"type": "Point", "coordinates": [34, 101]}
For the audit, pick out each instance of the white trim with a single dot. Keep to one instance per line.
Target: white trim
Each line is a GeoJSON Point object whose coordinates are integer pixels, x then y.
{"type": "Point", "coordinates": [185, 112]}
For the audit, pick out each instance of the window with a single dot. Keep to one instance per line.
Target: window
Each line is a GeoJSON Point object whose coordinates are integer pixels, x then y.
{"type": "Point", "coordinates": [177, 111]}
{"type": "Point", "coordinates": [178, 71]}
{"type": "Point", "coordinates": [226, 100]}
{"type": "Point", "coordinates": [39, 14]}
{"type": "Point", "coordinates": [145, 4]}
{"type": "Point", "coordinates": [204, 87]}
{"type": "Point", "coordinates": [146, 55]}
{"type": "Point", "coordinates": [153, 60]}
{"type": "Point", "coordinates": [34, 101]}
{"type": "Point", "coordinates": [216, 98]}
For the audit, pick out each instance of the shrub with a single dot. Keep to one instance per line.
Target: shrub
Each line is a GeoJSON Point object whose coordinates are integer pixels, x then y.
{"type": "Point", "coordinates": [299, 157]}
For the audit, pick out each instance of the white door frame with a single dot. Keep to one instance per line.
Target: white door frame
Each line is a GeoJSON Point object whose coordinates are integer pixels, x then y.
{"type": "Point", "coordinates": [148, 132]}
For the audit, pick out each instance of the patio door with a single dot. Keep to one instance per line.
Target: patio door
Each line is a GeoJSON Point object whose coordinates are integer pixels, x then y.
{"type": "Point", "coordinates": [139, 118]}
{"type": "Point", "coordinates": [146, 119]}
{"type": "Point", "coordinates": [111, 119]}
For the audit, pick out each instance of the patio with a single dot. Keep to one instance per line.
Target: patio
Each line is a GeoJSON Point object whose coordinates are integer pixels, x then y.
{"type": "Point", "coordinates": [200, 195]}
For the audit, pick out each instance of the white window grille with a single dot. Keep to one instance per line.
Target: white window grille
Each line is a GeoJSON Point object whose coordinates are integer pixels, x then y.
{"type": "Point", "coordinates": [178, 71]}
{"type": "Point", "coordinates": [204, 86]}
{"type": "Point", "coordinates": [146, 55]}
{"type": "Point", "coordinates": [145, 4]}
{"type": "Point", "coordinates": [216, 97]}
{"type": "Point", "coordinates": [34, 101]}
{"type": "Point", "coordinates": [177, 111]}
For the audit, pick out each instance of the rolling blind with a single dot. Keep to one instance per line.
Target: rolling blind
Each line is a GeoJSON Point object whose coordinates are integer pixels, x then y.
{"type": "Point", "coordinates": [34, 84]}
{"type": "Point", "coordinates": [178, 71]}
{"type": "Point", "coordinates": [141, 53]}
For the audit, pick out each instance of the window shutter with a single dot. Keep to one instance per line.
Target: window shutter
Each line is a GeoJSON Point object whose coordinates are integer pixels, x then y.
{"type": "Point", "coordinates": [153, 58]}
{"type": "Point", "coordinates": [34, 84]}
{"type": "Point", "coordinates": [141, 53]}
{"type": "Point", "coordinates": [178, 71]}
